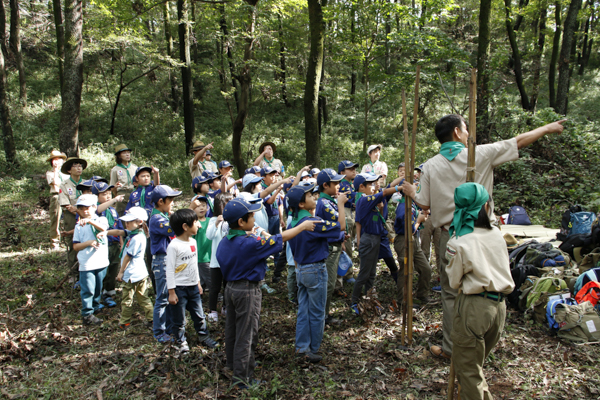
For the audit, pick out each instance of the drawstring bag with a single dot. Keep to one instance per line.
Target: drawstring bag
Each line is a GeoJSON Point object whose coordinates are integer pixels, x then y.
{"type": "Point", "coordinates": [344, 264]}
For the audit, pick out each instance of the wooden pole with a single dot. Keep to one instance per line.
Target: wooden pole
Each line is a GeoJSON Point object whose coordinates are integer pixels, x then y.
{"type": "Point", "coordinates": [407, 213]}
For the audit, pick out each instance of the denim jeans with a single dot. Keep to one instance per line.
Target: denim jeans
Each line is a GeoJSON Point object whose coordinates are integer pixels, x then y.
{"type": "Point", "coordinates": [162, 316]}
{"type": "Point", "coordinates": [189, 299]}
{"type": "Point", "coordinates": [91, 290]}
{"type": "Point", "coordinates": [312, 296]}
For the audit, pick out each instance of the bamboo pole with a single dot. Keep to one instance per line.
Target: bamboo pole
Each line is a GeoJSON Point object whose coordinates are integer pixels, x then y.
{"type": "Point", "coordinates": [406, 220]}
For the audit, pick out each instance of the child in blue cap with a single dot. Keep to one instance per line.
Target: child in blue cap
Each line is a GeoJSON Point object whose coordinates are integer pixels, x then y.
{"type": "Point", "coordinates": [242, 257]}
{"type": "Point", "coordinates": [142, 195]}
{"type": "Point", "coordinates": [226, 170]}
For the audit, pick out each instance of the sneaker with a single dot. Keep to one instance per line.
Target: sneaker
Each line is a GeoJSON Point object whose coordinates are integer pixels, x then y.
{"type": "Point", "coordinates": [99, 308]}
{"type": "Point", "coordinates": [77, 286]}
{"type": "Point", "coordinates": [213, 316]}
{"type": "Point", "coordinates": [309, 357]}
{"type": "Point", "coordinates": [210, 343]}
{"type": "Point", "coordinates": [182, 347]}
{"type": "Point", "coordinates": [91, 320]}
{"type": "Point", "coordinates": [163, 338]}
{"type": "Point", "coordinates": [354, 308]}
{"type": "Point", "coordinates": [109, 302]}
{"type": "Point", "coordinates": [267, 289]}
{"type": "Point", "coordinates": [437, 289]}
{"type": "Point", "coordinates": [125, 326]}
{"type": "Point", "coordinates": [351, 281]}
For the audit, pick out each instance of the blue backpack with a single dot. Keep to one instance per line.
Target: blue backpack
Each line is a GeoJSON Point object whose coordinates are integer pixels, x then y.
{"type": "Point", "coordinates": [344, 263]}
{"type": "Point", "coordinates": [518, 216]}
{"type": "Point", "coordinates": [581, 222]}
{"type": "Point", "coordinates": [551, 310]}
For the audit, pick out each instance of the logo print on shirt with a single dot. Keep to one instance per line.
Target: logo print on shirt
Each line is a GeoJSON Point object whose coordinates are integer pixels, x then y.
{"type": "Point", "coordinates": [120, 172]}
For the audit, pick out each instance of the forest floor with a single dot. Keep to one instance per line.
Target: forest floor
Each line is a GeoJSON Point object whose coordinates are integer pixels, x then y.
{"type": "Point", "coordinates": [46, 352]}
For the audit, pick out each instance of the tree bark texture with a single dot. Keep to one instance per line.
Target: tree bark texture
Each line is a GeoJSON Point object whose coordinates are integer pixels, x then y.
{"type": "Point", "coordinates": [3, 30]}
{"type": "Point", "coordinates": [15, 45]}
{"type": "Point", "coordinates": [554, 56]}
{"type": "Point", "coordinates": [564, 60]}
{"type": "Point", "coordinates": [537, 56]}
{"type": "Point", "coordinates": [226, 44]}
{"type": "Point", "coordinates": [516, 57]}
{"type": "Point", "coordinates": [483, 72]}
{"type": "Point", "coordinates": [283, 73]}
{"type": "Point", "coordinates": [73, 78]}
{"type": "Point", "coordinates": [584, 48]}
{"type": "Point", "coordinates": [186, 73]}
{"type": "Point", "coordinates": [169, 39]}
{"type": "Point", "coordinates": [60, 38]}
{"type": "Point", "coordinates": [7, 132]}
{"type": "Point", "coordinates": [313, 78]}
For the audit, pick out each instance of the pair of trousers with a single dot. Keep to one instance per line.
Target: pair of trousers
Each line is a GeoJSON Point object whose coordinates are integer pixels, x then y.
{"type": "Point", "coordinates": [420, 265]}
{"type": "Point", "coordinates": [216, 281]}
{"type": "Point", "coordinates": [351, 231]}
{"type": "Point", "coordinates": [448, 296]}
{"type": "Point", "coordinates": [312, 296]}
{"type": "Point", "coordinates": [369, 254]}
{"type": "Point", "coordinates": [114, 265]}
{"type": "Point", "coordinates": [55, 212]}
{"type": "Point", "coordinates": [478, 325]}
{"type": "Point", "coordinates": [332, 261]}
{"type": "Point", "coordinates": [292, 285]}
{"type": "Point", "coordinates": [139, 290]}
{"type": "Point", "coordinates": [149, 261]}
{"type": "Point", "coordinates": [91, 290]}
{"type": "Point", "coordinates": [188, 299]}
{"type": "Point", "coordinates": [427, 233]}
{"type": "Point", "coordinates": [205, 275]}
{"type": "Point", "coordinates": [162, 319]}
{"type": "Point", "coordinates": [281, 263]}
{"type": "Point", "coordinates": [243, 302]}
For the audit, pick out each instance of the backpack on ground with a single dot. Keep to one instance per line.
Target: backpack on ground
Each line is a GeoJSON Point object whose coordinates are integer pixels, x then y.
{"type": "Point", "coordinates": [581, 222]}
{"type": "Point", "coordinates": [518, 216]}
{"type": "Point", "coordinates": [590, 260]}
{"type": "Point", "coordinates": [537, 298]}
{"type": "Point", "coordinates": [551, 309]}
{"type": "Point", "coordinates": [585, 244]}
{"type": "Point", "coordinates": [565, 224]}
{"type": "Point", "coordinates": [588, 276]}
{"type": "Point", "coordinates": [518, 253]}
{"type": "Point", "coordinates": [589, 292]}
{"type": "Point", "coordinates": [519, 275]}
{"type": "Point", "coordinates": [544, 255]}
{"type": "Point", "coordinates": [578, 323]}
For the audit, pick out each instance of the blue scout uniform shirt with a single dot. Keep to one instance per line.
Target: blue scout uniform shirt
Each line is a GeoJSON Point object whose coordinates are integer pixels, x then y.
{"type": "Point", "coordinates": [347, 189]}
{"type": "Point", "coordinates": [368, 215]}
{"type": "Point", "coordinates": [311, 247]}
{"type": "Point", "coordinates": [135, 198]}
{"type": "Point", "coordinates": [243, 256]}
{"type": "Point", "coordinates": [271, 209]}
{"type": "Point", "coordinates": [327, 210]}
{"type": "Point", "coordinates": [214, 193]}
{"type": "Point", "coordinates": [161, 233]}
{"type": "Point", "coordinates": [400, 213]}
{"type": "Point", "coordinates": [117, 224]}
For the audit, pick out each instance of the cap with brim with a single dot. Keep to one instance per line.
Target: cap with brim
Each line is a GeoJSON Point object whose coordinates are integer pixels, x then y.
{"type": "Point", "coordinates": [225, 164]}
{"type": "Point", "coordinates": [135, 213]}
{"type": "Point", "coordinates": [250, 178]}
{"type": "Point", "coordinates": [199, 180]}
{"type": "Point", "coordinates": [162, 192]}
{"type": "Point", "coordinates": [211, 175]}
{"type": "Point", "coordinates": [121, 148]}
{"type": "Point", "coordinates": [85, 185]}
{"type": "Point", "coordinates": [314, 171]}
{"type": "Point", "coordinates": [419, 168]}
{"type": "Point", "coordinates": [304, 173]}
{"type": "Point", "coordinates": [238, 208]}
{"type": "Point", "coordinates": [401, 165]}
{"type": "Point", "coordinates": [261, 148]}
{"type": "Point", "coordinates": [142, 169]}
{"type": "Point", "coordinates": [207, 153]}
{"type": "Point", "coordinates": [201, 198]}
{"type": "Point", "coordinates": [346, 164]}
{"type": "Point", "coordinates": [295, 194]}
{"type": "Point", "coordinates": [328, 175]}
{"type": "Point", "coordinates": [373, 147]}
{"type": "Point", "coordinates": [198, 145]}
{"type": "Point", "coordinates": [87, 200]}
{"type": "Point", "coordinates": [97, 178]}
{"type": "Point", "coordinates": [134, 179]}
{"type": "Point", "coordinates": [69, 163]}
{"type": "Point", "coordinates": [268, 170]}
{"type": "Point", "coordinates": [100, 187]}
{"type": "Point", "coordinates": [360, 179]}
{"type": "Point", "coordinates": [56, 154]}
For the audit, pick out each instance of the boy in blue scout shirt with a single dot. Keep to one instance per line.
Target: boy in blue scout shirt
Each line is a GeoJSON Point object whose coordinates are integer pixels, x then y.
{"type": "Point", "coordinates": [327, 209]}
{"type": "Point", "coordinates": [370, 225]}
{"type": "Point", "coordinates": [310, 250]}
{"type": "Point", "coordinates": [161, 235]}
{"type": "Point", "coordinates": [242, 257]}
{"type": "Point", "coordinates": [348, 169]}
{"type": "Point", "coordinates": [385, 251]}
{"type": "Point", "coordinates": [142, 195]}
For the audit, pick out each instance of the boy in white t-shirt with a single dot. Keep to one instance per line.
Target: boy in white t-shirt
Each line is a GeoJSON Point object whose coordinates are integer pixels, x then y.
{"type": "Point", "coordinates": [183, 281]}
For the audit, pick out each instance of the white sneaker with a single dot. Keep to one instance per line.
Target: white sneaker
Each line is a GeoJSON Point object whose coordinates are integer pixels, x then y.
{"type": "Point", "coordinates": [213, 316]}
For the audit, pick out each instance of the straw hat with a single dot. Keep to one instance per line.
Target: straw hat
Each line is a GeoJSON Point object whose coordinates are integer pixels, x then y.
{"type": "Point", "coordinates": [70, 161]}
{"type": "Point", "coordinates": [198, 145]}
{"type": "Point", "coordinates": [121, 148]}
{"type": "Point", "coordinates": [56, 154]}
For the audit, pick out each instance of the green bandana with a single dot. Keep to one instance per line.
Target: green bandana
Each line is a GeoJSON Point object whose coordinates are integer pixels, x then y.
{"type": "Point", "coordinates": [100, 240]}
{"type": "Point", "coordinates": [77, 192]}
{"type": "Point", "coordinates": [143, 197]}
{"type": "Point", "coordinates": [328, 197]}
{"type": "Point", "coordinates": [157, 211]}
{"type": "Point", "coordinates": [451, 149]}
{"type": "Point", "coordinates": [301, 214]}
{"type": "Point", "coordinates": [126, 168]}
{"type": "Point", "coordinates": [269, 162]}
{"type": "Point", "coordinates": [236, 232]}
{"type": "Point", "coordinates": [131, 234]}
{"type": "Point", "coordinates": [109, 218]}
{"type": "Point", "coordinates": [468, 200]}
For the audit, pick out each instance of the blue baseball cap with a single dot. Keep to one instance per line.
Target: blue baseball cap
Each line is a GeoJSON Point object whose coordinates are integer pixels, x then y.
{"type": "Point", "coordinates": [314, 171]}
{"type": "Point", "coordinates": [252, 170]}
{"type": "Point", "coordinates": [211, 175]}
{"type": "Point", "coordinates": [250, 178]}
{"type": "Point", "coordinates": [346, 164]}
{"type": "Point", "coordinates": [287, 186]}
{"type": "Point", "coordinates": [239, 207]}
{"type": "Point", "coordinates": [268, 170]}
{"type": "Point", "coordinates": [201, 198]}
{"type": "Point", "coordinates": [295, 194]}
{"type": "Point", "coordinates": [362, 178]}
{"type": "Point", "coordinates": [225, 164]}
{"type": "Point", "coordinates": [97, 178]}
{"type": "Point", "coordinates": [328, 175]}
{"type": "Point", "coordinates": [207, 153]}
{"type": "Point", "coordinates": [100, 187]}
{"type": "Point", "coordinates": [142, 169]}
{"type": "Point", "coordinates": [199, 179]}
{"type": "Point", "coordinates": [163, 191]}
{"type": "Point", "coordinates": [85, 185]}
{"type": "Point", "coordinates": [419, 168]}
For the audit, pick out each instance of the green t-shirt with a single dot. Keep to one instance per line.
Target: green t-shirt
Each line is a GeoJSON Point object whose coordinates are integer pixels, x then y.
{"type": "Point", "coordinates": [204, 245]}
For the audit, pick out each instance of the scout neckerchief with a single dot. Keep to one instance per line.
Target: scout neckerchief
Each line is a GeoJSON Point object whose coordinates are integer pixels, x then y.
{"type": "Point", "coordinates": [301, 214]}
{"type": "Point", "coordinates": [126, 168]}
{"type": "Point", "coordinates": [143, 197]}
{"type": "Point", "coordinates": [451, 149]}
{"type": "Point", "coordinates": [323, 195]}
{"type": "Point", "coordinates": [372, 165]}
{"type": "Point", "coordinates": [203, 165]}
{"type": "Point", "coordinates": [269, 162]}
{"type": "Point", "coordinates": [129, 234]}
{"type": "Point", "coordinates": [77, 192]}
{"type": "Point", "coordinates": [109, 217]}
{"type": "Point", "coordinates": [236, 232]}
{"type": "Point", "coordinates": [96, 232]}
{"type": "Point", "coordinates": [361, 194]}
{"type": "Point", "coordinates": [157, 211]}
{"type": "Point", "coordinates": [468, 199]}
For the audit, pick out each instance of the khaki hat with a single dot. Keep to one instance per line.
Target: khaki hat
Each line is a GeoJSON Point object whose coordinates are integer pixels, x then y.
{"type": "Point", "coordinates": [261, 148]}
{"type": "Point", "coordinates": [198, 145]}
{"type": "Point", "coordinates": [70, 161]}
{"type": "Point", "coordinates": [121, 148]}
{"type": "Point", "coordinates": [56, 154]}
{"type": "Point", "coordinates": [511, 241]}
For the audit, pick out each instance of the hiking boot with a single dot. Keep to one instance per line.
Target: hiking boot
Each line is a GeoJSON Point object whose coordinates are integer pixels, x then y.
{"type": "Point", "coordinates": [309, 357]}
{"type": "Point", "coordinates": [99, 308]}
{"type": "Point", "coordinates": [91, 320]}
{"type": "Point", "coordinates": [163, 338]}
{"type": "Point", "coordinates": [210, 343]}
{"type": "Point", "coordinates": [276, 279]}
{"type": "Point", "coordinates": [437, 289]}
{"type": "Point", "coordinates": [213, 316]}
{"type": "Point", "coordinates": [246, 386]}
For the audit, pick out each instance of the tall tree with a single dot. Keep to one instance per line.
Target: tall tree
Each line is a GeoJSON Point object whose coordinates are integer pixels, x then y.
{"type": "Point", "coordinates": [483, 72]}
{"type": "Point", "coordinates": [15, 46]}
{"type": "Point", "coordinates": [73, 78]}
{"type": "Point", "coordinates": [282, 66]}
{"type": "Point", "coordinates": [564, 61]}
{"type": "Point", "coordinates": [554, 56]}
{"type": "Point", "coordinates": [537, 54]}
{"type": "Point", "coordinates": [60, 38]}
{"type": "Point", "coordinates": [169, 40]}
{"type": "Point", "coordinates": [7, 132]}
{"type": "Point", "coordinates": [3, 29]}
{"type": "Point", "coordinates": [186, 73]}
{"type": "Point", "coordinates": [313, 78]}
{"type": "Point", "coordinates": [516, 55]}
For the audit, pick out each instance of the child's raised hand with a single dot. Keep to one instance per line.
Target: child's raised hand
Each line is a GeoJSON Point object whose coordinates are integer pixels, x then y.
{"type": "Point", "coordinates": [119, 198]}
{"type": "Point", "coordinates": [83, 221]}
{"type": "Point", "coordinates": [154, 169]}
{"type": "Point", "coordinates": [306, 168]}
{"type": "Point", "coordinates": [194, 204]}
{"type": "Point", "coordinates": [342, 198]}
{"type": "Point", "coordinates": [238, 181]}
{"type": "Point", "coordinates": [309, 225]}
{"type": "Point", "coordinates": [173, 299]}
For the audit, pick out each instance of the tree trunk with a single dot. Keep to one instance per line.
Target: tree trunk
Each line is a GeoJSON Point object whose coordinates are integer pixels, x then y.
{"type": "Point", "coordinates": [169, 39]}
{"type": "Point", "coordinates": [225, 32]}
{"type": "Point", "coordinates": [3, 30]}
{"type": "Point", "coordinates": [366, 121]}
{"type": "Point", "coordinates": [554, 56]}
{"type": "Point", "coordinates": [537, 56]}
{"type": "Point", "coordinates": [564, 62]}
{"type": "Point", "coordinates": [313, 78]}
{"type": "Point", "coordinates": [73, 79]}
{"type": "Point", "coordinates": [7, 132]}
{"type": "Point", "coordinates": [15, 45]}
{"type": "Point", "coordinates": [282, 76]}
{"type": "Point", "coordinates": [186, 73]}
{"type": "Point", "coordinates": [584, 48]}
{"type": "Point", "coordinates": [245, 81]}
{"type": "Point", "coordinates": [483, 72]}
{"type": "Point", "coordinates": [353, 37]}
{"type": "Point", "coordinates": [516, 57]}
{"type": "Point", "coordinates": [60, 38]}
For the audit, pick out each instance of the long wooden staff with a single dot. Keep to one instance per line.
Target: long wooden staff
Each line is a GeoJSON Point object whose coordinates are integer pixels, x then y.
{"type": "Point", "coordinates": [470, 178]}
{"type": "Point", "coordinates": [406, 220]}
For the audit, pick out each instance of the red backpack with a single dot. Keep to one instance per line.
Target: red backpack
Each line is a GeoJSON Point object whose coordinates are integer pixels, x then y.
{"type": "Point", "coordinates": [589, 292]}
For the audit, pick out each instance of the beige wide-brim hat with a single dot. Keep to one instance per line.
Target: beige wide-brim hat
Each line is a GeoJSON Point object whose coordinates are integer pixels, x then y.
{"type": "Point", "coordinates": [261, 148]}
{"type": "Point", "coordinates": [56, 154]}
{"type": "Point", "coordinates": [198, 145]}
{"type": "Point", "coordinates": [121, 148]}
{"type": "Point", "coordinates": [70, 161]}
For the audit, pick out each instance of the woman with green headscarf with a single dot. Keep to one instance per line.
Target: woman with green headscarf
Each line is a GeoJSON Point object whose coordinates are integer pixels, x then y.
{"type": "Point", "coordinates": [479, 268]}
